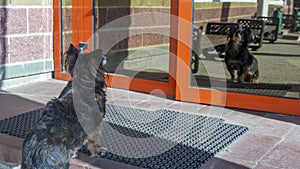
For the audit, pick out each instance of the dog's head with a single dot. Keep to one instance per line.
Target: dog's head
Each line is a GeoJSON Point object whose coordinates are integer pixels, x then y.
{"type": "Point", "coordinates": [234, 37]}
{"type": "Point", "coordinates": [247, 36]}
{"type": "Point", "coordinates": [70, 57]}
{"type": "Point", "coordinates": [238, 37]}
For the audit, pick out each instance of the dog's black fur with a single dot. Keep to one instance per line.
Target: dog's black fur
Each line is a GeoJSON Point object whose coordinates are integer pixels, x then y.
{"type": "Point", "coordinates": [242, 66]}
{"type": "Point", "coordinates": [59, 135]}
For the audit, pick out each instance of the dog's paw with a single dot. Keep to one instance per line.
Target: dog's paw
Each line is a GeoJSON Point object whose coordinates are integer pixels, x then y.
{"type": "Point", "coordinates": [230, 80]}
{"type": "Point", "coordinates": [95, 149]}
{"type": "Point", "coordinates": [98, 151]}
{"type": "Point", "coordinates": [74, 155]}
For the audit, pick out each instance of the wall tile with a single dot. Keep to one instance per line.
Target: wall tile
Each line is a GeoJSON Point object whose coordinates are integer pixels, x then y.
{"type": "Point", "coordinates": [131, 42]}
{"type": "Point", "coordinates": [4, 50]}
{"type": "Point", "coordinates": [14, 20]}
{"type": "Point", "coordinates": [160, 18]}
{"type": "Point", "coordinates": [67, 39]}
{"type": "Point", "coordinates": [67, 19]}
{"type": "Point", "coordinates": [115, 13]}
{"type": "Point", "coordinates": [152, 39]}
{"type": "Point", "coordinates": [31, 2]}
{"type": "Point", "coordinates": [30, 48]}
{"type": "Point", "coordinates": [40, 20]}
{"type": "Point", "coordinates": [100, 17]}
{"type": "Point", "coordinates": [214, 15]}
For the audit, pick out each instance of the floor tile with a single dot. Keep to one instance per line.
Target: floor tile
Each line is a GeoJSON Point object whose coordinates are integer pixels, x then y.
{"type": "Point", "coordinates": [218, 163]}
{"type": "Point", "coordinates": [241, 118]}
{"type": "Point", "coordinates": [272, 127]}
{"type": "Point", "coordinates": [294, 134]}
{"type": "Point", "coordinates": [284, 155]}
{"type": "Point", "coordinates": [265, 167]}
{"type": "Point", "coordinates": [12, 105]}
{"type": "Point", "coordinates": [215, 111]}
{"type": "Point", "coordinates": [285, 118]}
{"type": "Point", "coordinates": [272, 141]}
{"type": "Point", "coordinates": [250, 147]}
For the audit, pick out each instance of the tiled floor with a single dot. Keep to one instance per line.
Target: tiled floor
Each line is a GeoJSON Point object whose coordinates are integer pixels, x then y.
{"type": "Point", "coordinates": [273, 140]}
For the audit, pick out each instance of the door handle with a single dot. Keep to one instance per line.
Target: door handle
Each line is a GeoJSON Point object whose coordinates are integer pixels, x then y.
{"type": "Point", "coordinates": [83, 46]}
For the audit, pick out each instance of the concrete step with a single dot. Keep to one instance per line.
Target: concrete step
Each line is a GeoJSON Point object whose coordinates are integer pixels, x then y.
{"type": "Point", "coordinates": [290, 35]}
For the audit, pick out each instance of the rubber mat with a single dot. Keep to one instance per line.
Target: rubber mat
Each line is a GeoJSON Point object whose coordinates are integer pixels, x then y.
{"type": "Point", "coordinates": [150, 139]}
{"type": "Point", "coordinates": [265, 89]}
{"type": "Point", "coordinates": [260, 89]}
{"type": "Point", "coordinates": [264, 92]}
{"type": "Point", "coordinates": [21, 124]}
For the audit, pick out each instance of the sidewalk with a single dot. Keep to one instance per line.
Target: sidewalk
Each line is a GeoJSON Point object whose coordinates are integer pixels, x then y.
{"type": "Point", "coordinates": [279, 67]}
{"type": "Point", "coordinates": [273, 140]}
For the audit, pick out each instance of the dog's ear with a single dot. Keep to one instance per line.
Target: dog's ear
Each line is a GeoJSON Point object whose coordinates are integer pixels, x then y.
{"type": "Point", "coordinates": [247, 31]}
{"type": "Point", "coordinates": [247, 35]}
{"type": "Point", "coordinates": [70, 58]}
{"type": "Point", "coordinates": [230, 32]}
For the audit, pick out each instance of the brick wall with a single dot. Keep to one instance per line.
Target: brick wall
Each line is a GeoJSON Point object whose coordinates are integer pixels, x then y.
{"type": "Point", "coordinates": [137, 43]}
{"type": "Point", "coordinates": [297, 3]}
{"type": "Point", "coordinates": [107, 11]}
{"type": "Point", "coordinates": [222, 12]}
{"type": "Point", "coordinates": [66, 26]}
{"type": "Point", "coordinates": [26, 38]}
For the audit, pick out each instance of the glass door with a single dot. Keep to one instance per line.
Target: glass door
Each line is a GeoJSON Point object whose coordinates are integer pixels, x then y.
{"type": "Point", "coordinates": [136, 38]}
{"type": "Point", "coordinates": [211, 83]}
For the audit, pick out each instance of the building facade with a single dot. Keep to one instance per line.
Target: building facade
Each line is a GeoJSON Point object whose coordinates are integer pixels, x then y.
{"type": "Point", "coordinates": [26, 40]}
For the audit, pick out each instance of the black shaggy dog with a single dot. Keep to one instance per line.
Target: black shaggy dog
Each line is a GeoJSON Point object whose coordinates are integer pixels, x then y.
{"type": "Point", "coordinates": [59, 135]}
{"type": "Point", "coordinates": [242, 66]}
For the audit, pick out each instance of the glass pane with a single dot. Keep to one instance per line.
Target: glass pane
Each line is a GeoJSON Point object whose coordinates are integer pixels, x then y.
{"type": "Point", "coordinates": [66, 27]}
{"type": "Point", "coordinates": [135, 37]}
{"type": "Point", "coordinates": [268, 66]}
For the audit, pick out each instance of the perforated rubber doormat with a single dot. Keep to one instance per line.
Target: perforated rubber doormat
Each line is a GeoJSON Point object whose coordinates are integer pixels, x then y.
{"type": "Point", "coordinates": [150, 139]}
{"type": "Point", "coordinates": [21, 124]}
{"type": "Point", "coordinates": [265, 89]}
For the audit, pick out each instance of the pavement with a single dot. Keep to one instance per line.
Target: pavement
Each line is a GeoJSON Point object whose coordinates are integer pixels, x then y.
{"type": "Point", "coordinates": [278, 64]}
{"type": "Point", "coordinates": [273, 140]}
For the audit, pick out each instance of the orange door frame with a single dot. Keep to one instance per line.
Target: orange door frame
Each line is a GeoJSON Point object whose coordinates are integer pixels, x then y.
{"type": "Point", "coordinates": [179, 78]}
{"type": "Point", "coordinates": [213, 97]}
{"type": "Point", "coordinates": [58, 74]}
{"type": "Point", "coordinates": [82, 22]}
{"type": "Point", "coordinates": [82, 32]}
{"type": "Point", "coordinates": [149, 86]}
